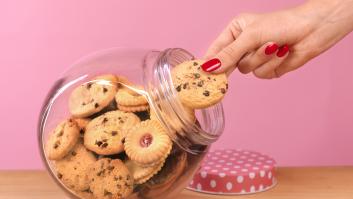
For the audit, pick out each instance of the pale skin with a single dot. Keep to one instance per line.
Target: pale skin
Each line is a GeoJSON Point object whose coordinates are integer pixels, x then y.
{"type": "Point", "coordinates": [308, 30]}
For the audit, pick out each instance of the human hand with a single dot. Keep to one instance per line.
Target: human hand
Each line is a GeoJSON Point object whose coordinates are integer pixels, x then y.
{"type": "Point", "coordinates": [270, 45]}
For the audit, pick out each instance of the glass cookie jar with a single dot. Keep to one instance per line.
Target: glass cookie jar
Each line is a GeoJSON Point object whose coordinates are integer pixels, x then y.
{"type": "Point", "coordinates": [113, 127]}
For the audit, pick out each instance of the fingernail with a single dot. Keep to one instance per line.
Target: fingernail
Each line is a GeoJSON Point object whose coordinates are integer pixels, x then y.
{"type": "Point", "coordinates": [270, 49]}
{"type": "Point", "coordinates": [283, 51]}
{"type": "Point", "coordinates": [211, 65]}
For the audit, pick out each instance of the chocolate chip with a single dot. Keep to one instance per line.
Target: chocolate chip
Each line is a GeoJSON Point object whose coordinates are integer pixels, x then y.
{"type": "Point", "coordinates": [61, 133]}
{"type": "Point", "coordinates": [185, 85]}
{"type": "Point", "coordinates": [88, 86]}
{"type": "Point", "coordinates": [200, 83]}
{"type": "Point", "coordinates": [73, 153]}
{"type": "Point", "coordinates": [209, 78]}
{"type": "Point", "coordinates": [193, 83]}
{"type": "Point", "coordinates": [206, 93]}
{"type": "Point", "coordinates": [105, 90]}
{"type": "Point", "coordinates": [227, 86]}
{"type": "Point", "coordinates": [105, 120]}
{"type": "Point", "coordinates": [223, 90]}
{"type": "Point", "coordinates": [196, 75]}
{"type": "Point", "coordinates": [178, 88]}
{"type": "Point", "coordinates": [214, 79]}
{"type": "Point", "coordinates": [123, 141]}
{"type": "Point", "coordinates": [99, 143]}
{"type": "Point", "coordinates": [114, 133]}
{"type": "Point", "coordinates": [106, 193]}
{"type": "Point", "coordinates": [82, 131]}
{"type": "Point", "coordinates": [56, 145]}
{"type": "Point", "coordinates": [105, 140]}
{"type": "Point", "coordinates": [100, 172]}
{"type": "Point", "coordinates": [96, 105]}
{"type": "Point", "coordinates": [118, 186]}
{"type": "Point", "coordinates": [83, 104]}
{"type": "Point", "coordinates": [195, 64]}
{"type": "Point", "coordinates": [110, 168]}
{"type": "Point", "coordinates": [104, 145]}
{"type": "Point", "coordinates": [60, 175]}
{"type": "Point", "coordinates": [198, 68]}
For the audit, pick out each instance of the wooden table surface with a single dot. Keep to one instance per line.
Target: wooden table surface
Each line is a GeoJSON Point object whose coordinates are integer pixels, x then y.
{"type": "Point", "coordinates": [293, 183]}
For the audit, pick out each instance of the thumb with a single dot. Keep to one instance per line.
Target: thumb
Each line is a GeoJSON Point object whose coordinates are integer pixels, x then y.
{"type": "Point", "coordinates": [228, 57]}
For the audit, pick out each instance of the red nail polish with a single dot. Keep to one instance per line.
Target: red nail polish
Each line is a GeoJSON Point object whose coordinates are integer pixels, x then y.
{"type": "Point", "coordinates": [270, 49]}
{"type": "Point", "coordinates": [211, 65]}
{"type": "Point", "coordinates": [283, 51]}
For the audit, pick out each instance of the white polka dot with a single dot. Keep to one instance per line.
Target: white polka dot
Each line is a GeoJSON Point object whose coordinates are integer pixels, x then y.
{"type": "Point", "coordinates": [233, 172]}
{"type": "Point", "coordinates": [266, 166]}
{"type": "Point", "coordinates": [229, 186]}
{"type": "Point", "coordinates": [192, 182]}
{"type": "Point", "coordinates": [218, 153]}
{"type": "Point", "coordinates": [218, 166]}
{"type": "Point", "coordinates": [252, 189]}
{"type": "Point", "coordinates": [242, 157]}
{"type": "Point", "coordinates": [222, 175]}
{"type": "Point", "coordinates": [258, 163]}
{"type": "Point", "coordinates": [244, 170]}
{"type": "Point", "coordinates": [207, 167]}
{"type": "Point", "coordinates": [240, 161]}
{"type": "Point", "coordinates": [240, 179]}
{"type": "Point", "coordinates": [242, 191]}
{"type": "Point", "coordinates": [210, 163]}
{"type": "Point", "coordinates": [261, 158]}
{"type": "Point", "coordinates": [247, 165]}
{"type": "Point", "coordinates": [269, 175]}
{"type": "Point", "coordinates": [269, 161]}
{"type": "Point", "coordinates": [262, 173]}
{"type": "Point", "coordinates": [214, 171]}
{"type": "Point", "coordinates": [251, 160]}
{"type": "Point", "coordinates": [225, 156]}
{"type": "Point", "coordinates": [235, 154]}
{"type": "Point", "coordinates": [229, 164]}
{"type": "Point", "coordinates": [253, 155]}
{"type": "Point", "coordinates": [261, 187]}
{"type": "Point", "coordinates": [203, 174]}
{"type": "Point", "coordinates": [232, 159]}
{"type": "Point", "coordinates": [236, 166]}
{"type": "Point", "coordinates": [256, 168]}
{"type": "Point", "coordinates": [199, 187]}
{"type": "Point", "coordinates": [221, 161]}
{"type": "Point", "coordinates": [213, 183]}
{"type": "Point", "coordinates": [225, 168]}
{"type": "Point", "coordinates": [252, 175]}
{"type": "Point", "coordinates": [214, 158]}
{"type": "Point", "coordinates": [246, 152]}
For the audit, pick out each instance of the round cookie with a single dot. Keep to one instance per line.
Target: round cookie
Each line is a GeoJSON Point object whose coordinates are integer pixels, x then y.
{"type": "Point", "coordinates": [124, 98]}
{"type": "Point", "coordinates": [196, 88]}
{"type": "Point", "coordinates": [72, 170]}
{"type": "Point", "coordinates": [133, 109]}
{"type": "Point", "coordinates": [91, 97]}
{"type": "Point", "coordinates": [147, 143]}
{"type": "Point", "coordinates": [62, 140]}
{"type": "Point", "coordinates": [105, 134]}
{"type": "Point", "coordinates": [110, 179]}
{"type": "Point", "coordinates": [142, 174]}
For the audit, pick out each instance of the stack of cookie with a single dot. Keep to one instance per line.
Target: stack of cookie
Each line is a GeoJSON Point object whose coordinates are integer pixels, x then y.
{"type": "Point", "coordinates": [106, 149]}
{"type": "Point", "coordinates": [112, 145]}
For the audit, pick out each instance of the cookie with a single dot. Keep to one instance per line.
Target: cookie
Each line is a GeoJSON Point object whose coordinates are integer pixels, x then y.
{"type": "Point", "coordinates": [173, 168]}
{"type": "Point", "coordinates": [110, 179]}
{"type": "Point", "coordinates": [108, 77]}
{"type": "Point", "coordinates": [133, 109]}
{"type": "Point", "coordinates": [196, 88]}
{"type": "Point", "coordinates": [82, 123]}
{"type": "Point", "coordinates": [147, 143]}
{"type": "Point", "coordinates": [91, 97]}
{"type": "Point", "coordinates": [105, 134]}
{"type": "Point", "coordinates": [142, 174]}
{"type": "Point", "coordinates": [63, 139]}
{"type": "Point", "coordinates": [72, 170]}
{"type": "Point", "coordinates": [124, 98]}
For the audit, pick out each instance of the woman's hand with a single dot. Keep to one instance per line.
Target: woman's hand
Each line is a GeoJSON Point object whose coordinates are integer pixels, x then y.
{"type": "Point", "coordinates": [270, 45]}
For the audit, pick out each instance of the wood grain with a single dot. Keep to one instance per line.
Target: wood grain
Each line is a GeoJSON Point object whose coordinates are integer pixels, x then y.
{"type": "Point", "coordinates": [294, 183]}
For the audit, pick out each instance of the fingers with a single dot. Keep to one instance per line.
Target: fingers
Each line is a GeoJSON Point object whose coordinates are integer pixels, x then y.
{"type": "Point", "coordinates": [256, 59]}
{"type": "Point", "coordinates": [268, 69]}
{"type": "Point", "coordinates": [229, 56]}
{"type": "Point", "coordinates": [228, 35]}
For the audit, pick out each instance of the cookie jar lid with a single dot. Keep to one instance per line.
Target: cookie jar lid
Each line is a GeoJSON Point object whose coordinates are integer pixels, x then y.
{"type": "Point", "coordinates": [235, 171]}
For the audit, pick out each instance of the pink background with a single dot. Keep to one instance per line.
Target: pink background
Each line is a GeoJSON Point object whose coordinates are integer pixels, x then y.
{"type": "Point", "coordinates": [304, 118]}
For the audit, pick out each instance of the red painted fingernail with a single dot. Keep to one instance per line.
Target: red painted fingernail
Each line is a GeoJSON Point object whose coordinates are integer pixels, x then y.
{"type": "Point", "coordinates": [211, 65]}
{"type": "Point", "coordinates": [270, 49]}
{"type": "Point", "coordinates": [283, 51]}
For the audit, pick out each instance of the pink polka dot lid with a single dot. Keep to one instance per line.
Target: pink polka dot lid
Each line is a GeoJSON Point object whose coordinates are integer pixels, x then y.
{"type": "Point", "coordinates": [235, 171]}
